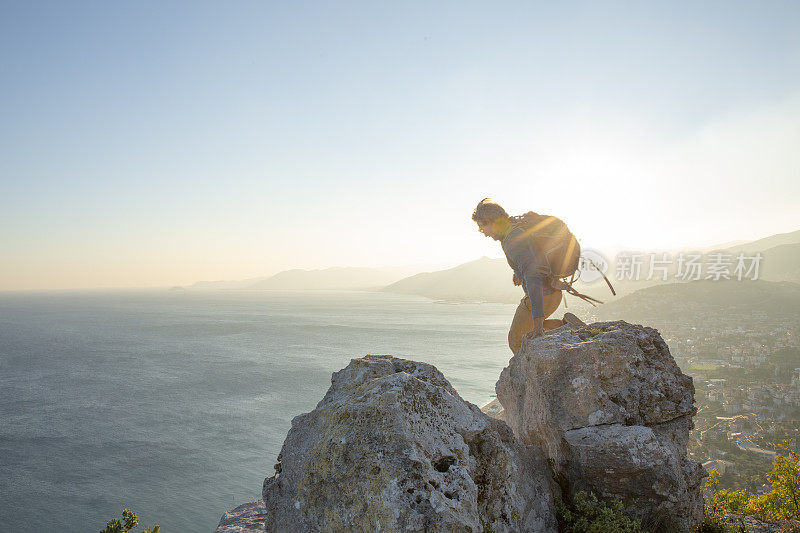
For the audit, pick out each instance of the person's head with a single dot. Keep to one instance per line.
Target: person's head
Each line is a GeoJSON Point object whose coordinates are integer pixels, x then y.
{"type": "Point", "coordinates": [490, 218]}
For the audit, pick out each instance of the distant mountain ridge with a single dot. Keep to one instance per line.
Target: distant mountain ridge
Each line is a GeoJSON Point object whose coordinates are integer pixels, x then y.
{"type": "Point", "coordinates": [227, 284]}
{"type": "Point", "coordinates": [484, 279]}
{"type": "Point", "coordinates": [489, 280]}
{"type": "Point", "coordinates": [779, 239]}
{"type": "Point", "coordinates": [327, 279]}
{"type": "Point", "coordinates": [672, 301]}
{"type": "Point", "coordinates": [781, 263]}
{"type": "Point", "coordinates": [335, 278]}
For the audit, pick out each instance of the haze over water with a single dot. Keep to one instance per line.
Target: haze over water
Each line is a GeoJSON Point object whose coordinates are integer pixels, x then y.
{"type": "Point", "coordinates": [175, 403]}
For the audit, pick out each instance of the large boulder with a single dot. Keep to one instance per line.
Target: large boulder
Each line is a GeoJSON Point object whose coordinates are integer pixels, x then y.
{"type": "Point", "coordinates": [612, 411]}
{"type": "Point", "coordinates": [393, 447]}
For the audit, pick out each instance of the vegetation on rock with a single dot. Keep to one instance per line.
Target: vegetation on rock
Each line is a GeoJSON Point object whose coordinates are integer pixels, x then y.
{"type": "Point", "coordinates": [129, 521]}
{"type": "Point", "coordinates": [781, 503]}
{"type": "Point", "coordinates": [587, 514]}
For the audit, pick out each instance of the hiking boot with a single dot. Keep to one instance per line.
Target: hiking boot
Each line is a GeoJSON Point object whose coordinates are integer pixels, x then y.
{"type": "Point", "coordinates": [572, 320]}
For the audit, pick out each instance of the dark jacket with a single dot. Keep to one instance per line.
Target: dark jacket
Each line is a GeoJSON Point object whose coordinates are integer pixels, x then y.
{"type": "Point", "coordinates": [530, 267]}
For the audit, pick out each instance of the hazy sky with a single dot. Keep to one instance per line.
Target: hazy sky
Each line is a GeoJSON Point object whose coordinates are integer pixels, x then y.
{"type": "Point", "coordinates": [161, 143]}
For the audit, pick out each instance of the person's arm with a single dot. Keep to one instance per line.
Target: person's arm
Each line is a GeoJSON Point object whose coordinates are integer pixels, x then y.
{"type": "Point", "coordinates": [538, 322]}
{"type": "Point", "coordinates": [528, 262]}
{"type": "Point", "coordinates": [534, 288]}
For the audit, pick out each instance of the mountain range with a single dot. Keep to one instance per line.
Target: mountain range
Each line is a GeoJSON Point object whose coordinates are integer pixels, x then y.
{"type": "Point", "coordinates": [671, 301]}
{"type": "Point", "coordinates": [484, 279]}
{"type": "Point", "coordinates": [489, 280]}
{"type": "Point", "coordinates": [336, 278]}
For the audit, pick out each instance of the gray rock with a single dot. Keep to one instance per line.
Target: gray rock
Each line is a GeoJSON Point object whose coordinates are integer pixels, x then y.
{"type": "Point", "coordinates": [612, 410]}
{"type": "Point", "coordinates": [622, 375]}
{"type": "Point", "coordinates": [393, 447]}
{"type": "Point", "coordinates": [247, 518]}
{"type": "Point", "coordinates": [641, 466]}
{"type": "Point", "coordinates": [494, 409]}
{"type": "Point", "coordinates": [752, 524]}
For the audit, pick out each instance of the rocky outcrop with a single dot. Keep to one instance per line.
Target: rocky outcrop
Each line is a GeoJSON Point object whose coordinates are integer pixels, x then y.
{"type": "Point", "coordinates": [612, 410]}
{"type": "Point", "coordinates": [393, 447]}
{"type": "Point", "coordinates": [247, 518]}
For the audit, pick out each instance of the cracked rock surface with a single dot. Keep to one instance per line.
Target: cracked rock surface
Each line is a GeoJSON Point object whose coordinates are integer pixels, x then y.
{"type": "Point", "coordinates": [393, 447]}
{"type": "Point", "coordinates": [612, 410]}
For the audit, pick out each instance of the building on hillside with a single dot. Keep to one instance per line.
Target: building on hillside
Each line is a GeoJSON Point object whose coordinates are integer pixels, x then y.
{"type": "Point", "coordinates": [720, 465]}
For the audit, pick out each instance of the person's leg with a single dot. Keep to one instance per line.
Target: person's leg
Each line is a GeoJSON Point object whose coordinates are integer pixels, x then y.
{"type": "Point", "coordinates": [551, 303]}
{"type": "Point", "coordinates": [522, 324]}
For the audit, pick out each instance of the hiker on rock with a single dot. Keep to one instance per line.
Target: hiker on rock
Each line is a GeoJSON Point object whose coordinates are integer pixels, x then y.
{"type": "Point", "coordinates": [541, 251]}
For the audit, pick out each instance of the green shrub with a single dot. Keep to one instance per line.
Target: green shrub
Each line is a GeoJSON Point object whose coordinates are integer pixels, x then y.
{"type": "Point", "coordinates": [129, 521]}
{"type": "Point", "coordinates": [736, 502]}
{"type": "Point", "coordinates": [589, 515]}
{"type": "Point", "coordinates": [781, 503]}
{"type": "Point", "coordinates": [784, 500]}
{"type": "Point", "coordinates": [710, 524]}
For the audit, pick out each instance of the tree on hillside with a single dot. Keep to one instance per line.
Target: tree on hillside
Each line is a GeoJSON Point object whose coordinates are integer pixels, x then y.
{"type": "Point", "coordinates": [781, 503]}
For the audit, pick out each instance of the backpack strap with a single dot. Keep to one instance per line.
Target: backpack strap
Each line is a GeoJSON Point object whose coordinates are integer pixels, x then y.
{"type": "Point", "coordinates": [604, 276]}
{"type": "Point", "coordinates": [583, 297]}
{"type": "Point", "coordinates": [567, 287]}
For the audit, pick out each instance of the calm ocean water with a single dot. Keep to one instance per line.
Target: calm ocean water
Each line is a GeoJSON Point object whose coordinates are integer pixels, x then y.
{"type": "Point", "coordinates": [175, 403]}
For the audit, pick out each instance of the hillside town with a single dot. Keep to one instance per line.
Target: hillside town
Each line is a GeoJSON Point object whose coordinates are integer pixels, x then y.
{"type": "Point", "coordinates": [747, 381]}
{"type": "Point", "coordinates": [745, 364]}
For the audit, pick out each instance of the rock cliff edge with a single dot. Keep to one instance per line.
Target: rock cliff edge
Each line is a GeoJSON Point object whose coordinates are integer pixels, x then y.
{"type": "Point", "coordinates": [393, 447]}
{"type": "Point", "coordinates": [609, 406]}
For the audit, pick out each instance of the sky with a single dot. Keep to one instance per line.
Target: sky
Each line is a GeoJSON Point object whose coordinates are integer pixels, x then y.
{"type": "Point", "coordinates": [161, 143]}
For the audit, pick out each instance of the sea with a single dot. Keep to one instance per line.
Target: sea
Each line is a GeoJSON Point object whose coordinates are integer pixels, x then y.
{"type": "Point", "coordinates": [175, 403]}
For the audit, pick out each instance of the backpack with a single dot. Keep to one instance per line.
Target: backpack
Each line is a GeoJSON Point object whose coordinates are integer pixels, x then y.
{"type": "Point", "coordinates": [553, 238]}
{"type": "Point", "coordinates": [560, 247]}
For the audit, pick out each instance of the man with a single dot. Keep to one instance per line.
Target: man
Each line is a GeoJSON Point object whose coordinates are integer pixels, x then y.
{"type": "Point", "coordinates": [530, 270]}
